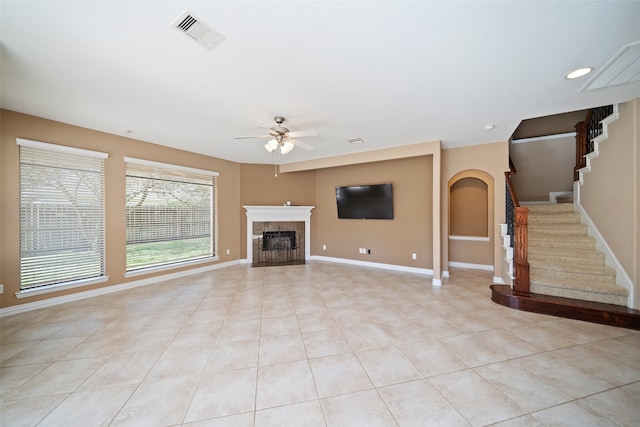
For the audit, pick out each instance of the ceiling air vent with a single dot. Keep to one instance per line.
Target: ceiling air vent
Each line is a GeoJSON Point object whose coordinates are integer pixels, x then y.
{"type": "Point", "coordinates": [623, 68]}
{"type": "Point", "coordinates": [198, 30]}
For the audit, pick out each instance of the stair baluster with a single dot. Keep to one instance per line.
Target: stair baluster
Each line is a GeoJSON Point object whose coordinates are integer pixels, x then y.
{"type": "Point", "coordinates": [586, 131]}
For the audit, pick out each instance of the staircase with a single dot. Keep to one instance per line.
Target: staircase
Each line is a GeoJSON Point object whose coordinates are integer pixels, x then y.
{"type": "Point", "coordinates": [551, 259]}
{"type": "Point", "coordinates": [564, 261]}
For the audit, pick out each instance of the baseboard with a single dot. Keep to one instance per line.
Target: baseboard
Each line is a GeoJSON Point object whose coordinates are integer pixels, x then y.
{"type": "Point", "coordinates": [472, 266]}
{"type": "Point", "coordinates": [49, 302]}
{"type": "Point", "coordinates": [622, 278]}
{"type": "Point", "coordinates": [395, 267]}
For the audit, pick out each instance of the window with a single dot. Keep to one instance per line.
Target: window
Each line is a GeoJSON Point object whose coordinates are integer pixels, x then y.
{"type": "Point", "coordinates": [170, 214]}
{"type": "Point", "coordinates": [61, 215]}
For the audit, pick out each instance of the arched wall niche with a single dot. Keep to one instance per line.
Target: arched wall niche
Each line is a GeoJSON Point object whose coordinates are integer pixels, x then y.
{"type": "Point", "coordinates": [471, 215]}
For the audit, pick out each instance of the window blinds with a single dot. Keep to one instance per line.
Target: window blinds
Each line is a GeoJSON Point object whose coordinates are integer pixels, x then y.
{"type": "Point", "coordinates": [61, 214]}
{"type": "Point", "coordinates": [170, 214]}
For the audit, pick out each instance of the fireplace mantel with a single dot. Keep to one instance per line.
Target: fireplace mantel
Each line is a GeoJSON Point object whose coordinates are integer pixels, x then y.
{"type": "Point", "coordinates": [277, 214]}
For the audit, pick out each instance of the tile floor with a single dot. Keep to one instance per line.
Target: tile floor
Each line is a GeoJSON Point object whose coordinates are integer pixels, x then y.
{"type": "Point", "coordinates": [314, 345]}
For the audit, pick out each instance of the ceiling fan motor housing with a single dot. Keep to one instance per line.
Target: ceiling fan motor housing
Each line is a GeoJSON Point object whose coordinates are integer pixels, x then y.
{"type": "Point", "coordinates": [281, 130]}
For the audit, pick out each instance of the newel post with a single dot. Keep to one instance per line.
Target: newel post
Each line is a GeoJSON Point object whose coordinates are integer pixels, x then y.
{"type": "Point", "coordinates": [521, 243]}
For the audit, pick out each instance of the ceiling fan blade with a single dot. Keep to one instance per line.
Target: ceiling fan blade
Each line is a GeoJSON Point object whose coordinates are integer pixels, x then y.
{"type": "Point", "coordinates": [300, 133]}
{"type": "Point", "coordinates": [302, 145]}
{"type": "Point", "coordinates": [253, 136]}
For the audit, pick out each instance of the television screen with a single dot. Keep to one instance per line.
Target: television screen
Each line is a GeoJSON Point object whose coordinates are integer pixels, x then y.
{"type": "Point", "coordinates": [365, 201]}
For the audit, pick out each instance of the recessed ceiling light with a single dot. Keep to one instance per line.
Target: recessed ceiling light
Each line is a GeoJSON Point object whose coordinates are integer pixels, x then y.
{"type": "Point", "coordinates": [578, 73]}
{"type": "Point", "coordinates": [489, 127]}
{"type": "Point", "coordinates": [355, 140]}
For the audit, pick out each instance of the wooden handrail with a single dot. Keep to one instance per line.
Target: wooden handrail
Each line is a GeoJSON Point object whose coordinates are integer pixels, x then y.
{"type": "Point", "coordinates": [520, 236]}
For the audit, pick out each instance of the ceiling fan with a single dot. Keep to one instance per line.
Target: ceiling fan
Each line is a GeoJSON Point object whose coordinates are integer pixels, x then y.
{"type": "Point", "coordinates": [282, 138]}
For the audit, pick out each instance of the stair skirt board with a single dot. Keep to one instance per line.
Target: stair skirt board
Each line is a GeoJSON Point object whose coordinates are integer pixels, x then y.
{"type": "Point", "coordinates": [607, 314]}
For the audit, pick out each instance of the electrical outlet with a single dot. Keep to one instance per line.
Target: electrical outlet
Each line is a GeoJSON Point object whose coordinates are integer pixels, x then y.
{"type": "Point", "coordinates": [368, 251]}
{"type": "Point", "coordinates": [324, 247]}
{"type": "Point", "coordinates": [414, 256]}
{"type": "Point", "coordinates": [228, 251]}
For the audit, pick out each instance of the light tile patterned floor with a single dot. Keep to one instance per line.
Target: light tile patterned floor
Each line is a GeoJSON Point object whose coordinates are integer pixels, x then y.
{"type": "Point", "coordinates": [316, 345]}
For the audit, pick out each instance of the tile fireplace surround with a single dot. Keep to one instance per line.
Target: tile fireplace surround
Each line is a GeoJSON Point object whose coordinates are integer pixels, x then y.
{"type": "Point", "coordinates": [278, 214]}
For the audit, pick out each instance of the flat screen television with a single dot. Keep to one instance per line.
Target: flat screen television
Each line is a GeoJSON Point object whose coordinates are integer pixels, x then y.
{"type": "Point", "coordinates": [365, 201]}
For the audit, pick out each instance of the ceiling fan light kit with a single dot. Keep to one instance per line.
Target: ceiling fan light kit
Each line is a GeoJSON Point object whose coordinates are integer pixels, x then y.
{"type": "Point", "coordinates": [271, 145]}
{"type": "Point", "coordinates": [286, 147]}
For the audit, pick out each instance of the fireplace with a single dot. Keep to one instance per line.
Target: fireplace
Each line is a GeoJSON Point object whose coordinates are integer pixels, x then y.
{"type": "Point", "coordinates": [278, 235]}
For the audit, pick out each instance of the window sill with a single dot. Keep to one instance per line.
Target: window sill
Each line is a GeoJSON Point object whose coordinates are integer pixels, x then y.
{"type": "Point", "coordinates": [161, 268]}
{"type": "Point", "coordinates": [25, 293]}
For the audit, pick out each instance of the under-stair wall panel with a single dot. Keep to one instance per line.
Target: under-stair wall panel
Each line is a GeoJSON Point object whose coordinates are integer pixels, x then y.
{"type": "Point", "coordinates": [610, 190]}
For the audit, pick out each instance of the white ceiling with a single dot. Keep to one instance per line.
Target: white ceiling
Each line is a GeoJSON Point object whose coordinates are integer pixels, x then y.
{"type": "Point", "coordinates": [392, 73]}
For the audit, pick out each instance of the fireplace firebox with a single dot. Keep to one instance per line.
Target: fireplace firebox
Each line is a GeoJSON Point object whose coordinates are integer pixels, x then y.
{"type": "Point", "coordinates": [278, 240]}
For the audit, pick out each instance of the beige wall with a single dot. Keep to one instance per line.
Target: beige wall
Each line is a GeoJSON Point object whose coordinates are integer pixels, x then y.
{"type": "Point", "coordinates": [259, 186]}
{"type": "Point", "coordinates": [416, 174]}
{"type": "Point", "coordinates": [543, 166]}
{"type": "Point", "coordinates": [611, 191]}
{"type": "Point", "coordinates": [15, 125]}
{"type": "Point", "coordinates": [487, 162]}
{"type": "Point", "coordinates": [390, 241]}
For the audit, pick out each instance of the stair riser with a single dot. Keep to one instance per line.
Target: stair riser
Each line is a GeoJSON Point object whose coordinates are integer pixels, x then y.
{"type": "Point", "coordinates": [586, 296]}
{"type": "Point", "coordinates": [592, 289]}
{"type": "Point", "coordinates": [574, 242]}
{"type": "Point", "coordinates": [577, 279]}
{"type": "Point", "coordinates": [554, 219]}
{"type": "Point", "coordinates": [551, 209]}
{"type": "Point", "coordinates": [572, 268]}
{"type": "Point", "coordinates": [557, 231]}
{"type": "Point", "coordinates": [554, 214]}
{"type": "Point", "coordinates": [545, 258]}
